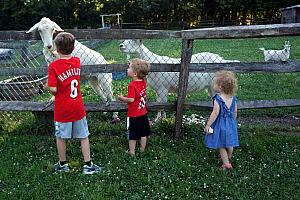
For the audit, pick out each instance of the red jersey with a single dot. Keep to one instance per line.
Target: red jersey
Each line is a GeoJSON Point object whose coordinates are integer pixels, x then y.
{"type": "Point", "coordinates": [137, 91]}
{"type": "Point", "coordinates": [64, 74]}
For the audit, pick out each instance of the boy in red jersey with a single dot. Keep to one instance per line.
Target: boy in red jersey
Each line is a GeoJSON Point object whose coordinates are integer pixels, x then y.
{"type": "Point", "coordinates": [69, 113]}
{"type": "Point", "coordinates": [139, 128]}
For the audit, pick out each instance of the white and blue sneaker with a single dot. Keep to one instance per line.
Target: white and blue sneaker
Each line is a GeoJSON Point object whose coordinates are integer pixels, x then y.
{"type": "Point", "coordinates": [61, 168]}
{"type": "Point", "coordinates": [91, 169]}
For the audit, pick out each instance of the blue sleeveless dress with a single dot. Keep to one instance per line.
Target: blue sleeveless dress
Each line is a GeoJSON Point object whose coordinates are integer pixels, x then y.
{"type": "Point", "coordinates": [225, 132]}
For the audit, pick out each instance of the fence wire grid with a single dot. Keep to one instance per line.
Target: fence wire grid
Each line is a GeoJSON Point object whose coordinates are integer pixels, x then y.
{"type": "Point", "coordinates": [162, 86]}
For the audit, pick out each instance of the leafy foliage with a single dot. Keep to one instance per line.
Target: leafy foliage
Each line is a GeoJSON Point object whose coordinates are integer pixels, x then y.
{"type": "Point", "coordinates": [20, 15]}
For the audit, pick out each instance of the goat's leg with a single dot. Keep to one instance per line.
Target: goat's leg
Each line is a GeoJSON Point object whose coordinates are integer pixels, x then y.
{"type": "Point", "coordinates": [161, 97]}
{"type": "Point", "coordinates": [97, 88]}
{"type": "Point", "coordinates": [106, 82]}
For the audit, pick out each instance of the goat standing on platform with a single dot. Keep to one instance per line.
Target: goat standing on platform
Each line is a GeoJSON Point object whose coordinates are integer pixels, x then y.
{"type": "Point", "coordinates": [163, 82]}
{"type": "Point", "coordinates": [100, 82]}
{"type": "Point", "coordinates": [278, 55]}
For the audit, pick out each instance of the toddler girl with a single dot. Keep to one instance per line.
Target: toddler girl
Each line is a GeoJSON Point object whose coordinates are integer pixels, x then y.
{"type": "Point", "coordinates": [221, 127]}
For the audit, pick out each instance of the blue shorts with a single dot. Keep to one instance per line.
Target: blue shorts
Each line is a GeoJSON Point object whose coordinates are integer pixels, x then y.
{"type": "Point", "coordinates": [67, 130]}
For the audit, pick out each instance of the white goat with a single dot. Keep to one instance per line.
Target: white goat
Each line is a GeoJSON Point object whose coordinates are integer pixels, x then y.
{"type": "Point", "coordinates": [100, 82]}
{"type": "Point", "coordinates": [278, 55]}
{"type": "Point", "coordinates": [163, 82]}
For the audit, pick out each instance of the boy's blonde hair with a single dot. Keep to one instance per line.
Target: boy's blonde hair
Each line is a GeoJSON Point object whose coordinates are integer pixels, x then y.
{"type": "Point", "coordinates": [141, 67]}
{"type": "Point", "coordinates": [64, 43]}
{"type": "Point", "coordinates": [227, 81]}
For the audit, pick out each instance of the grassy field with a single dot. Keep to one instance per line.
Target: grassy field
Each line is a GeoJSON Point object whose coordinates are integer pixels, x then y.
{"type": "Point", "coordinates": [266, 166]}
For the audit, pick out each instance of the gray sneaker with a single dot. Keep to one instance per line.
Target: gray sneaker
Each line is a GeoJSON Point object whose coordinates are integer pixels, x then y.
{"type": "Point", "coordinates": [91, 169]}
{"type": "Point", "coordinates": [61, 168]}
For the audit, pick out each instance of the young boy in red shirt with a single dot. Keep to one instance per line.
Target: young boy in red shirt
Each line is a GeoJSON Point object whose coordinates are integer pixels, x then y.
{"type": "Point", "coordinates": [139, 128]}
{"type": "Point", "coordinates": [69, 113]}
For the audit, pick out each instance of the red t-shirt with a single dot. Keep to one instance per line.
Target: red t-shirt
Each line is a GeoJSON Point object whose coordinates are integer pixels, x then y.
{"type": "Point", "coordinates": [64, 74]}
{"type": "Point", "coordinates": [137, 90]}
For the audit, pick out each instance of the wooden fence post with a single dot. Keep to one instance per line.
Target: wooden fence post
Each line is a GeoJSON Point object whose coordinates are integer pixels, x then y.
{"type": "Point", "coordinates": [186, 55]}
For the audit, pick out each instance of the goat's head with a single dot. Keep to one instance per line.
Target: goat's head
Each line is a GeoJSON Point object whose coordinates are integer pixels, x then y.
{"type": "Point", "coordinates": [287, 46]}
{"type": "Point", "coordinates": [46, 29]}
{"type": "Point", "coordinates": [130, 46]}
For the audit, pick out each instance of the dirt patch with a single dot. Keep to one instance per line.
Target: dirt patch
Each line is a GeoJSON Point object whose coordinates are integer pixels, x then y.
{"type": "Point", "coordinates": [287, 121]}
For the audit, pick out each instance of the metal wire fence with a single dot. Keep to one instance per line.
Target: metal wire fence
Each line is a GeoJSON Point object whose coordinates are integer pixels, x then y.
{"type": "Point", "coordinates": [163, 85]}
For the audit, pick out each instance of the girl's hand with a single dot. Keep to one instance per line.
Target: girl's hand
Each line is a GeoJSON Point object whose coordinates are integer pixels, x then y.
{"type": "Point", "coordinates": [208, 129]}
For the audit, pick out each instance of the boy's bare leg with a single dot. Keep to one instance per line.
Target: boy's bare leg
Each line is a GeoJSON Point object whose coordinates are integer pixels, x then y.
{"type": "Point", "coordinates": [132, 144]}
{"type": "Point", "coordinates": [61, 148]}
{"type": "Point", "coordinates": [143, 144]}
{"type": "Point", "coordinates": [85, 148]}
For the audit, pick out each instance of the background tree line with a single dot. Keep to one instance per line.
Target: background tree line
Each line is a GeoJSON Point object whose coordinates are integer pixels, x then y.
{"type": "Point", "coordinates": [21, 14]}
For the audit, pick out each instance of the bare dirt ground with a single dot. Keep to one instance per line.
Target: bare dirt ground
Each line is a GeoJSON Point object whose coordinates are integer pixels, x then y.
{"type": "Point", "coordinates": [286, 121]}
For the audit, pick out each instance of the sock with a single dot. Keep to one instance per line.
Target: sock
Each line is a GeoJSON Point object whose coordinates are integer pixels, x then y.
{"type": "Point", "coordinates": [88, 163]}
{"type": "Point", "coordinates": [62, 163]}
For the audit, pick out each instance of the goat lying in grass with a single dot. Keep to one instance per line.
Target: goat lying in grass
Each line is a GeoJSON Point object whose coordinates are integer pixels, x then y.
{"type": "Point", "coordinates": [100, 82]}
{"type": "Point", "coordinates": [278, 55]}
{"type": "Point", "coordinates": [163, 82]}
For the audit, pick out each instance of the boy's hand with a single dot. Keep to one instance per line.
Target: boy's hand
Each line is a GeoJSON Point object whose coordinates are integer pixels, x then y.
{"type": "Point", "coordinates": [120, 97]}
{"type": "Point", "coordinates": [53, 90]}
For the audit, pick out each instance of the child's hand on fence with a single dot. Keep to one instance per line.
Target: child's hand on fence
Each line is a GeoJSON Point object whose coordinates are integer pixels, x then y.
{"type": "Point", "coordinates": [120, 97]}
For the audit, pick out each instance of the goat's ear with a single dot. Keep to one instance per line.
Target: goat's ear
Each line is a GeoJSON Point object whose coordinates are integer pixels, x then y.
{"type": "Point", "coordinates": [56, 27]}
{"type": "Point", "coordinates": [33, 28]}
{"type": "Point", "coordinates": [139, 41]}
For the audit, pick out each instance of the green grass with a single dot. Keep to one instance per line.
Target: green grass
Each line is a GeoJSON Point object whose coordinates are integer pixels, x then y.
{"type": "Point", "coordinates": [266, 166]}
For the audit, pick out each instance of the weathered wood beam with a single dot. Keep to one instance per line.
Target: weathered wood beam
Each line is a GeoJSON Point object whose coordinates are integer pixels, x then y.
{"type": "Point", "coordinates": [151, 106]}
{"type": "Point", "coordinates": [247, 104]}
{"type": "Point", "coordinates": [186, 55]}
{"type": "Point", "coordinates": [91, 34]}
{"type": "Point", "coordinates": [90, 107]}
{"type": "Point", "coordinates": [203, 33]}
{"type": "Point", "coordinates": [243, 31]}
{"type": "Point", "coordinates": [276, 67]}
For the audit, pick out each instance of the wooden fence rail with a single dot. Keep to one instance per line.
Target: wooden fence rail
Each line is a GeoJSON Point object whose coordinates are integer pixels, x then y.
{"type": "Point", "coordinates": [184, 68]}
{"type": "Point", "coordinates": [263, 67]}
{"type": "Point", "coordinates": [205, 33]}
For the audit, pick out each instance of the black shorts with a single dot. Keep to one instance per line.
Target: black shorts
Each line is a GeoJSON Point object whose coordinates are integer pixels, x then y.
{"type": "Point", "coordinates": [138, 127]}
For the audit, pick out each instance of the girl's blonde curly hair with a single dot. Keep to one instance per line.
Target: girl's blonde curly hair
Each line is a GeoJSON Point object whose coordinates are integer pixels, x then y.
{"type": "Point", "coordinates": [227, 82]}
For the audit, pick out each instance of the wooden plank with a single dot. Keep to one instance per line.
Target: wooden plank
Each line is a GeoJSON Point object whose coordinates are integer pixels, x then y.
{"type": "Point", "coordinates": [187, 49]}
{"type": "Point", "coordinates": [18, 35]}
{"type": "Point", "coordinates": [243, 31]}
{"type": "Point", "coordinates": [247, 104]}
{"type": "Point", "coordinates": [276, 67]}
{"type": "Point", "coordinates": [151, 106]}
{"type": "Point", "coordinates": [90, 107]}
{"type": "Point", "coordinates": [205, 33]}
{"type": "Point", "coordinates": [123, 34]}
{"type": "Point", "coordinates": [97, 34]}
{"type": "Point", "coordinates": [14, 45]}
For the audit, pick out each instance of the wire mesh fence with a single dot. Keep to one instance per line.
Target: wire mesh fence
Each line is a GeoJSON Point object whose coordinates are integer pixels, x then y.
{"type": "Point", "coordinates": [162, 85]}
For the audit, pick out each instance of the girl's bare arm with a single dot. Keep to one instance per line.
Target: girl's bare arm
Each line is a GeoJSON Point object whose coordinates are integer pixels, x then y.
{"type": "Point", "coordinates": [213, 116]}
